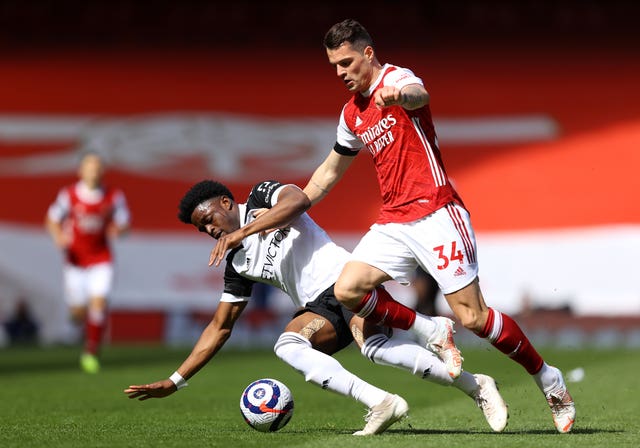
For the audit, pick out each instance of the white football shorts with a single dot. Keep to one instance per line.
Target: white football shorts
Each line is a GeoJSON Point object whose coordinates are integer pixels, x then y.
{"type": "Point", "coordinates": [83, 283]}
{"type": "Point", "coordinates": [442, 243]}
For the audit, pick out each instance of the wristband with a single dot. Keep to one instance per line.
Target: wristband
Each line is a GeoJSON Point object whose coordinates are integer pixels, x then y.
{"type": "Point", "coordinates": [177, 379]}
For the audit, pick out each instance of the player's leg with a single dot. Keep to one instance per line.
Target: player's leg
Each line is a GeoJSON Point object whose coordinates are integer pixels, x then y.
{"type": "Point", "coordinates": [78, 314]}
{"type": "Point", "coordinates": [358, 289]}
{"type": "Point", "coordinates": [452, 262]}
{"type": "Point", "coordinates": [94, 330]}
{"type": "Point", "coordinates": [408, 355]}
{"type": "Point", "coordinates": [426, 289]}
{"type": "Point", "coordinates": [99, 282]}
{"type": "Point", "coordinates": [402, 353]}
{"type": "Point", "coordinates": [506, 335]}
{"type": "Point", "coordinates": [307, 343]}
{"type": "Point", "coordinates": [76, 298]}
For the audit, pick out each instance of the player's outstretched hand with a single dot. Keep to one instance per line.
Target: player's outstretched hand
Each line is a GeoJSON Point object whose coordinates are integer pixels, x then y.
{"type": "Point", "coordinates": [225, 243]}
{"type": "Point", "coordinates": [158, 389]}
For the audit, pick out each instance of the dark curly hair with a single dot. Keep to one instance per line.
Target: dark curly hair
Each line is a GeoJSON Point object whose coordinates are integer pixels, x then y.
{"type": "Point", "coordinates": [197, 194]}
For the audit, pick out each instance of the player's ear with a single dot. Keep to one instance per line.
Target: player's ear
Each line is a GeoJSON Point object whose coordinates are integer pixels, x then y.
{"type": "Point", "coordinates": [226, 202]}
{"type": "Point", "coordinates": [369, 53]}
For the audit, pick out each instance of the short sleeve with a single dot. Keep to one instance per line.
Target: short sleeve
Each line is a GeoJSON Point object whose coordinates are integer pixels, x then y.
{"type": "Point", "coordinates": [235, 284]}
{"type": "Point", "coordinates": [60, 208]}
{"type": "Point", "coordinates": [263, 194]}
{"type": "Point", "coordinates": [401, 77]}
{"type": "Point", "coordinates": [345, 136]}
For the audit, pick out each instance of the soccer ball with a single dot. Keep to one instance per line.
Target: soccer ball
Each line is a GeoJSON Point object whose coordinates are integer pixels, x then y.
{"type": "Point", "coordinates": [266, 405]}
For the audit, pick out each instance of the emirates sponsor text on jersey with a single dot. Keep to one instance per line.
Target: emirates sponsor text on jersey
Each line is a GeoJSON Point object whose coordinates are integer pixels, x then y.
{"type": "Point", "coordinates": [379, 135]}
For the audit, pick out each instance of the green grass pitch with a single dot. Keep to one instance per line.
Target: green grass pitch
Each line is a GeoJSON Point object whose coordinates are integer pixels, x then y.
{"type": "Point", "coordinates": [46, 401]}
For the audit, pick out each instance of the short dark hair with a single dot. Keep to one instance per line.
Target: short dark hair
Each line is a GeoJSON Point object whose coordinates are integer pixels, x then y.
{"type": "Point", "coordinates": [348, 30]}
{"type": "Point", "coordinates": [197, 194]}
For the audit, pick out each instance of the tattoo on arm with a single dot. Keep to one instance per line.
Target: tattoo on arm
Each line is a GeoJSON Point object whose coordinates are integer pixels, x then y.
{"type": "Point", "coordinates": [324, 190]}
{"type": "Point", "coordinates": [413, 96]}
{"type": "Point", "coordinates": [411, 100]}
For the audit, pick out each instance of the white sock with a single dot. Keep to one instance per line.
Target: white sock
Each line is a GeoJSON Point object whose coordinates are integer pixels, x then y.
{"type": "Point", "coordinates": [547, 378]}
{"type": "Point", "coordinates": [422, 328]}
{"type": "Point", "coordinates": [467, 383]}
{"type": "Point", "coordinates": [406, 355]}
{"type": "Point", "coordinates": [325, 371]}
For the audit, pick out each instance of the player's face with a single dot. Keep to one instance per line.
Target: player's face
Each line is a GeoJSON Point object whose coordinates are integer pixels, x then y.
{"type": "Point", "coordinates": [216, 217]}
{"type": "Point", "coordinates": [91, 170]}
{"type": "Point", "coordinates": [354, 67]}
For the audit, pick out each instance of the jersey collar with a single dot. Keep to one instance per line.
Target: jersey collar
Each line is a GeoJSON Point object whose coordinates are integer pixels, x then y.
{"type": "Point", "coordinates": [377, 82]}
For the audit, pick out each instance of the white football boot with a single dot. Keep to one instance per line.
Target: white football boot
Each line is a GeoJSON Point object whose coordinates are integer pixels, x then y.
{"type": "Point", "coordinates": [563, 409]}
{"type": "Point", "coordinates": [392, 409]}
{"type": "Point", "coordinates": [490, 401]}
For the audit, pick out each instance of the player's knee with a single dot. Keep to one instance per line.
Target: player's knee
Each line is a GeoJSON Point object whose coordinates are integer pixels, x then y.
{"type": "Point", "coordinates": [96, 315]}
{"type": "Point", "coordinates": [472, 320]}
{"type": "Point", "coordinates": [78, 314]}
{"type": "Point", "coordinates": [347, 293]}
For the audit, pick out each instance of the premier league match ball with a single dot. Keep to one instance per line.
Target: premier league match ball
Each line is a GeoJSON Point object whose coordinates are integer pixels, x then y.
{"type": "Point", "coordinates": [266, 405]}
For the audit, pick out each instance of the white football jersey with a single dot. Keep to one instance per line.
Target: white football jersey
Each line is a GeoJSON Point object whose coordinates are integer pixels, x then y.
{"type": "Point", "coordinates": [300, 259]}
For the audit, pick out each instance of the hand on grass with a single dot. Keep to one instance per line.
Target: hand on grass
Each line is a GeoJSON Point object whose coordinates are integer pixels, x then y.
{"type": "Point", "coordinates": [158, 389]}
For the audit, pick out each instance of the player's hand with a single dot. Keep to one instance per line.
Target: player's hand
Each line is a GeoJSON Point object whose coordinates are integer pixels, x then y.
{"type": "Point", "coordinates": [259, 212]}
{"type": "Point", "coordinates": [387, 96]}
{"type": "Point", "coordinates": [63, 241]}
{"type": "Point", "coordinates": [158, 389]}
{"type": "Point", "coordinates": [225, 242]}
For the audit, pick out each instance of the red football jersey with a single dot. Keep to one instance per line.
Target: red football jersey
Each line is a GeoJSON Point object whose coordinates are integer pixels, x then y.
{"type": "Point", "coordinates": [87, 214]}
{"type": "Point", "coordinates": [404, 146]}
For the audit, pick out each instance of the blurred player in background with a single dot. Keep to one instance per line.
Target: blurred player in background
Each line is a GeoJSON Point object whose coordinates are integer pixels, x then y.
{"type": "Point", "coordinates": [301, 260]}
{"type": "Point", "coordinates": [423, 221]}
{"type": "Point", "coordinates": [82, 220]}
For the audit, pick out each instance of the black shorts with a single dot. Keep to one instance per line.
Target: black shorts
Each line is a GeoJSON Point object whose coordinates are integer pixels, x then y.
{"type": "Point", "coordinates": [327, 306]}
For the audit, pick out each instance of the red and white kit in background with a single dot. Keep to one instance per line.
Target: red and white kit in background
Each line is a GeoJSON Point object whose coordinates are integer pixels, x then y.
{"type": "Point", "coordinates": [86, 215]}
{"type": "Point", "coordinates": [419, 204]}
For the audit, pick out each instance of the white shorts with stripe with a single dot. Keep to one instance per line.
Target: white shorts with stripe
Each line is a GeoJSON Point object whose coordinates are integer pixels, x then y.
{"type": "Point", "coordinates": [442, 243]}
{"type": "Point", "coordinates": [83, 283]}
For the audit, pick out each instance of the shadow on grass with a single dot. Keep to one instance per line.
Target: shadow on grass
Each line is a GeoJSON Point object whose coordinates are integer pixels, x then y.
{"type": "Point", "coordinates": [573, 431]}
{"type": "Point", "coordinates": [506, 433]}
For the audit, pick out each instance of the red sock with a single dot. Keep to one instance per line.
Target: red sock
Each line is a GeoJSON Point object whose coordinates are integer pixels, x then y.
{"type": "Point", "coordinates": [93, 336]}
{"type": "Point", "coordinates": [505, 335]}
{"type": "Point", "coordinates": [378, 306]}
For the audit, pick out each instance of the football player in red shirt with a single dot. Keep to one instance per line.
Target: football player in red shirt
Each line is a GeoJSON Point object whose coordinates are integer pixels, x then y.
{"type": "Point", "coordinates": [82, 220]}
{"type": "Point", "coordinates": [423, 221]}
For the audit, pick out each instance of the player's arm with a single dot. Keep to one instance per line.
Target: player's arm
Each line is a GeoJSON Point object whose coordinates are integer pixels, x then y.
{"type": "Point", "coordinates": [210, 342]}
{"type": "Point", "coordinates": [121, 222]}
{"type": "Point", "coordinates": [57, 212]}
{"type": "Point", "coordinates": [292, 202]}
{"type": "Point", "coordinates": [414, 96]}
{"type": "Point", "coordinates": [57, 233]}
{"type": "Point", "coordinates": [327, 175]}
